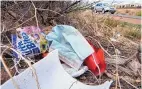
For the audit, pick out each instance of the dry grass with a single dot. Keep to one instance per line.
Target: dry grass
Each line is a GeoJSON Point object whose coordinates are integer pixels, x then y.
{"type": "Point", "coordinates": [132, 34]}
{"type": "Point", "coordinates": [134, 12]}
{"type": "Point", "coordinates": [104, 25]}
{"type": "Point", "coordinates": [100, 30]}
{"type": "Point", "coordinates": [139, 13]}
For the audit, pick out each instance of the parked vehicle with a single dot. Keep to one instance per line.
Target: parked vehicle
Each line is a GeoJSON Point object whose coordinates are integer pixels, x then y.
{"type": "Point", "coordinates": [104, 7]}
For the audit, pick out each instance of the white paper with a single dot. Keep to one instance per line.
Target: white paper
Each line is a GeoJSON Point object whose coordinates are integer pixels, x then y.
{"type": "Point", "coordinates": [51, 75]}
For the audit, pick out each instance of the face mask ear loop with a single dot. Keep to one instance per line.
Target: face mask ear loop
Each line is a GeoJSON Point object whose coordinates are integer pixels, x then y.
{"type": "Point", "coordinates": [96, 65]}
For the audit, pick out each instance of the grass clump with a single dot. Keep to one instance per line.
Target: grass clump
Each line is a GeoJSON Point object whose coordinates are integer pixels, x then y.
{"type": "Point", "coordinates": [131, 31]}
{"type": "Point", "coordinates": [139, 13]}
{"type": "Point", "coordinates": [133, 34]}
{"type": "Point", "coordinates": [111, 22]}
{"type": "Point", "coordinates": [126, 24]}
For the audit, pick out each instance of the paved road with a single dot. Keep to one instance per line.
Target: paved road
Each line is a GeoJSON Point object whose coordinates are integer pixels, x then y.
{"type": "Point", "coordinates": [124, 18]}
{"type": "Point", "coordinates": [128, 16]}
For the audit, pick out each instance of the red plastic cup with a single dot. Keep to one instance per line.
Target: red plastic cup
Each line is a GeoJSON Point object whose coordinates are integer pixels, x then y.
{"type": "Point", "coordinates": [97, 58]}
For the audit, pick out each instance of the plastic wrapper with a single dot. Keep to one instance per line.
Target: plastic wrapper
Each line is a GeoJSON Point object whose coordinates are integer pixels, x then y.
{"type": "Point", "coordinates": [29, 41]}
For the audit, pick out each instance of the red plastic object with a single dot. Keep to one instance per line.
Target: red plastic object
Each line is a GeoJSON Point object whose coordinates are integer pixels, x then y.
{"type": "Point", "coordinates": [44, 54]}
{"type": "Point", "coordinates": [98, 57]}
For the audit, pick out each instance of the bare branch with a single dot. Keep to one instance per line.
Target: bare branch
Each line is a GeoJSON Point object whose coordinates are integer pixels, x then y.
{"type": "Point", "coordinates": [35, 14]}
{"type": "Point", "coordinates": [7, 70]}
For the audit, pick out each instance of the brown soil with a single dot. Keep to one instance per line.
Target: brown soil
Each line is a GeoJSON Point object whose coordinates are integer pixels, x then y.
{"type": "Point", "coordinates": [129, 11]}
{"type": "Point", "coordinates": [129, 20]}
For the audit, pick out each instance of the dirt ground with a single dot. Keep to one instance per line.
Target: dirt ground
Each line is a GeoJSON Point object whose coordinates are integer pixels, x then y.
{"type": "Point", "coordinates": [131, 12]}
{"type": "Point", "coordinates": [128, 11]}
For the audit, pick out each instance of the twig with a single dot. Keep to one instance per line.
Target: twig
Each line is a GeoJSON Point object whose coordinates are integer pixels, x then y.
{"type": "Point", "coordinates": [23, 14]}
{"type": "Point", "coordinates": [7, 70]}
{"type": "Point", "coordinates": [22, 23]}
{"type": "Point", "coordinates": [94, 76]}
{"type": "Point", "coordinates": [8, 40]}
{"type": "Point", "coordinates": [117, 75]}
{"type": "Point", "coordinates": [119, 82]}
{"type": "Point", "coordinates": [27, 61]}
{"type": "Point", "coordinates": [3, 27]}
{"type": "Point", "coordinates": [34, 72]}
{"type": "Point", "coordinates": [50, 10]}
{"type": "Point", "coordinates": [111, 76]}
{"type": "Point", "coordinates": [129, 83]}
{"type": "Point", "coordinates": [101, 46]}
{"type": "Point", "coordinates": [35, 14]}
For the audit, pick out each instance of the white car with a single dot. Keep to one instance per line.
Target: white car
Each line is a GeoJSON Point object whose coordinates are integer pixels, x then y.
{"type": "Point", "coordinates": [104, 7]}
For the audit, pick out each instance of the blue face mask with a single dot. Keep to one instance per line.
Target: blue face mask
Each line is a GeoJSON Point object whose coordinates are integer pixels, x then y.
{"type": "Point", "coordinates": [70, 44]}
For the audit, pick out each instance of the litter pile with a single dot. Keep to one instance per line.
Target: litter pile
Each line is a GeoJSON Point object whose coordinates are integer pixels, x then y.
{"type": "Point", "coordinates": [63, 45]}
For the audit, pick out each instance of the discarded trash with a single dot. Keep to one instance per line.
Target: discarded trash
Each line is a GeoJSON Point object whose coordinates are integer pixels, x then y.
{"type": "Point", "coordinates": [29, 41]}
{"type": "Point", "coordinates": [96, 61]}
{"type": "Point", "coordinates": [14, 38]}
{"type": "Point", "coordinates": [43, 44]}
{"type": "Point", "coordinates": [80, 72]}
{"type": "Point", "coordinates": [73, 72]}
{"type": "Point", "coordinates": [70, 44]}
{"type": "Point", "coordinates": [51, 75]}
{"type": "Point", "coordinates": [73, 47]}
